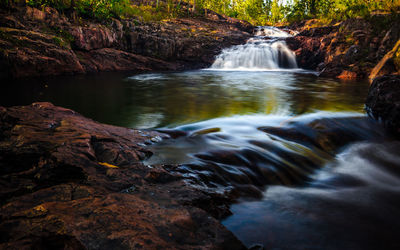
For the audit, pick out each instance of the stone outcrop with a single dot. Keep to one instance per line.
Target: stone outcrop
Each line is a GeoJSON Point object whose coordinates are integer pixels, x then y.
{"type": "Point", "coordinates": [390, 63]}
{"type": "Point", "coordinates": [383, 102]}
{"type": "Point", "coordinates": [37, 42]}
{"type": "Point", "coordinates": [67, 182]}
{"type": "Point", "coordinates": [350, 49]}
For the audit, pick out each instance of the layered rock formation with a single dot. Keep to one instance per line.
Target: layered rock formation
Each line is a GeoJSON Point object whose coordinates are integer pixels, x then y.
{"type": "Point", "coordinates": [350, 49]}
{"type": "Point", "coordinates": [37, 42]}
{"type": "Point", "coordinates": [67, 182]}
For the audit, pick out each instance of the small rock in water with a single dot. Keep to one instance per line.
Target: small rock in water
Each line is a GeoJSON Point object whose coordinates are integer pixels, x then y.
{"type": "Point", "coordinates": [141, 133]}
{"type": "Point", "coordinates": [257, 247]}
{"type": "Point", "coordinates": [129, 190]}
{"type": "Point", "coordinates": [156, 139]}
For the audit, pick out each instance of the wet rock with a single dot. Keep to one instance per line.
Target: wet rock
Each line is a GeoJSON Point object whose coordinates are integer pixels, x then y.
{"type": "Point", "coordinates": [308, 52]}
{"type": "Point", "coordinates": [108, 59]}
{"type": "Point", "coordinates": [347, 75]}
{"type": "Point", "coordinates": [160, 175]}
{"type": "Point", "coordinates": [290, 155]}
{"type": "Point", "coordinates": [68, 182]}
{"type": "Point", "coordinates": [257, 247]}
{"type": "Point", "coordinates": [383, 101]}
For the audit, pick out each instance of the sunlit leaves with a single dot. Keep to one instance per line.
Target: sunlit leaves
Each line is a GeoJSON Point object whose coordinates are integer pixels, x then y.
{"type": "Point", "coordinates": [258, 12]}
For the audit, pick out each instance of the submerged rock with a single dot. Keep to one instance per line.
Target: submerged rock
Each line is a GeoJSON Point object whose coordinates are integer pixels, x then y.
{"type": "Point", "coordinates": [67, 182]}
{"type": "Point", "coordinates": [383, 101]}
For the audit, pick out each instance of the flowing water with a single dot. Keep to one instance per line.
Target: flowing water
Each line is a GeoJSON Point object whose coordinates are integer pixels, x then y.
{"type": "Point", "coordinates": [265, 51]}
{"type": "Point", "coordinates": [309, 169]}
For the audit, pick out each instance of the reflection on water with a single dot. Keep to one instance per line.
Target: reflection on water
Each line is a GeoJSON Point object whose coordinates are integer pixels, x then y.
{"type": "Point", "coordinates": [169, 99]}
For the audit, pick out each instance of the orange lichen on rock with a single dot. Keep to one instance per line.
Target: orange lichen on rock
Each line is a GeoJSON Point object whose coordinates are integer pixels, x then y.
{"type": "Point", "coordinates": [347, 75]}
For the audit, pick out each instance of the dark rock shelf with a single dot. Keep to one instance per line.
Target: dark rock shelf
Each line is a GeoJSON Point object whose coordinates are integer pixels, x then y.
{"type": "Point", "coordinates": [68, 182]}
{"type": "Point", "coordinates": [383, 101]}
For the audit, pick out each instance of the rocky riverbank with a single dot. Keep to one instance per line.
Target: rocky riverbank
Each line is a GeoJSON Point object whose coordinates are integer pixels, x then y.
{"type": "Point", "coordinates": [45, 42]}
{"type": "Point", "coordinates": [352, 49]}
{"type": "Point", "coordinates": [68, 182]}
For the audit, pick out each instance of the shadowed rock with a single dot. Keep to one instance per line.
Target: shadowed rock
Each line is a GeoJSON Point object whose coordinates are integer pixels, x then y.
{"type": "Point", "coordinates": [44, 42]}
{"type": "Point", "coordinates": [383, 101]}
{"type": "Point", "coordinates": [67, 182]}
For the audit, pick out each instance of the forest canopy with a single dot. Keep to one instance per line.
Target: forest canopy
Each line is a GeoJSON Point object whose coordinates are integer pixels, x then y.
{"type": "Point", "coordinates": [258, 12]}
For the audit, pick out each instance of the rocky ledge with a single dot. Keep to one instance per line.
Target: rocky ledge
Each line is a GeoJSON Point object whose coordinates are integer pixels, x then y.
{"type": "Point", "coordinates": [353, 49]}
{"type": "Point", "coordinates": [44, 42]}
{"type": "Point", "coordinates": [67, 182]}
{"type": "Point", "coordinates": [383, 101]}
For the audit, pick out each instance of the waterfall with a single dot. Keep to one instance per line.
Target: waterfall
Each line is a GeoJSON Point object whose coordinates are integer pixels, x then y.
{"type": "Point", "coordinates": [266, 51]}
{"type": "Point", "coordinates": [268, 31]}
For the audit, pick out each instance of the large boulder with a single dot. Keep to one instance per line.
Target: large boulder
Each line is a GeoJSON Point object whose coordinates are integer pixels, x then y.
{"type": "Point", "coordinates": [383, 101]}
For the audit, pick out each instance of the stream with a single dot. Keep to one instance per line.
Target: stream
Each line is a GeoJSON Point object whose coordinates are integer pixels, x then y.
{"type": "Point", "coordinates": [309, 168]}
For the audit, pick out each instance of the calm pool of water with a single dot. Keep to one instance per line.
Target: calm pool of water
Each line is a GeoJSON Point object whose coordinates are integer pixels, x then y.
{"type": "Point", "coordinates": [171, 99]}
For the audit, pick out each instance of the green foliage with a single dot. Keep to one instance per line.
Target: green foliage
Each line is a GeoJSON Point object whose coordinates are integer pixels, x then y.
{"type": "Point", "coordinates": [67, 38]}
{"type": "Point", "coordinates": [258, 12]}
{"type": "Point", "coordinates": [338, 9]}
{"type": "Point", "coordinates": [99, 9]}
{"type": "Point", "coordinates": [58, 4]}
{"type": "Point", "coordinates": [146, 13]}
{"type": "Point", "coordinates": [102, 9]}
{"type": "Point", "coordinates": [277, 11]}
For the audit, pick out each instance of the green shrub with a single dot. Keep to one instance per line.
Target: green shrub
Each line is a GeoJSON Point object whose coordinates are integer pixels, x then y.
{"type": "Point", "coordinates": [259, 12]}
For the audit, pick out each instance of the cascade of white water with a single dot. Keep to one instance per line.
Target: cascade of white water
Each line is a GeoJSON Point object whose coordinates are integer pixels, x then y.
{"type": "Point", "coordinates": [270, 32]}
{"type": "Point", "coordinates": [263, 52]}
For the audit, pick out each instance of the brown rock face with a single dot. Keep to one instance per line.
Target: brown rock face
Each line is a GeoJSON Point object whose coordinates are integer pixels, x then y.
{"type": "Point", "coordinates": [109, 59]}
{"type": "Point", "coordinates": [37, 43]}
{"type": "Point", "coordinates": [349, 49]}
{"type": "Point", "coordinates": [383, 101]}
{"type": "Point", "coordinates": [193, 42]}
{"type": "Point", "coordinates": [29, 53]}
{"type": "Point", "coordinates": [68, 182]}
